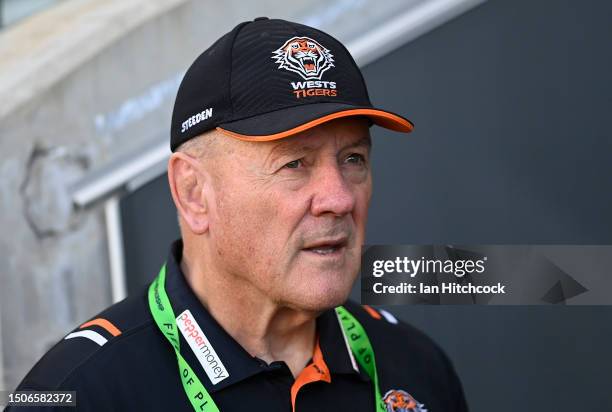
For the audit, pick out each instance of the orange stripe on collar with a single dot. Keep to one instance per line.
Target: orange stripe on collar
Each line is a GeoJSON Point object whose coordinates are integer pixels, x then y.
{"type": "Point", "coordinates": [316, 371]}
{"type": "Point", "coordinates": [371, 311]}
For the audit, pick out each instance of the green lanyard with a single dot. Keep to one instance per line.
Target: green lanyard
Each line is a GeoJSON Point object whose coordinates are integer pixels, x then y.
{"type": "Point", "coordinates": [200, 399]}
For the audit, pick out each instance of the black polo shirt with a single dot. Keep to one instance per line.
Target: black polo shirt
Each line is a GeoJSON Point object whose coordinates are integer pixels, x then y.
{"type": "Point", "coordinates": [120, 361]}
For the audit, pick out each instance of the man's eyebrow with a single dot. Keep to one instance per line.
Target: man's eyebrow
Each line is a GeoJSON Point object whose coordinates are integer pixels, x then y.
{"type": "Point", "coordinates": [283, 148]}
{"type": "Point", "coordinates": [364, 141]}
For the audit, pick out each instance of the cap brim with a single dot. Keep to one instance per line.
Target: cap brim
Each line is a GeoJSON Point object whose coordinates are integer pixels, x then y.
{"type": "Point", "coordinates": [289, 121]}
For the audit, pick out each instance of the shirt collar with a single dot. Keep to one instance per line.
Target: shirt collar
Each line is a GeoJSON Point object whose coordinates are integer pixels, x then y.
{"type": "Point", "coordinates": [238, 362]}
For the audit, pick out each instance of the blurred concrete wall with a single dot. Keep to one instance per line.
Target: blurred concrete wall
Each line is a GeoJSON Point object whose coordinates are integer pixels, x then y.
{"type": "Point", "coordinates": [80, 85]}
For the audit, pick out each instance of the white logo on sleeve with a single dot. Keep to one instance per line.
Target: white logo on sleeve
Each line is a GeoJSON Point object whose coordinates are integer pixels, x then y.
{"type": "Point", "coordinates": [201, 346]}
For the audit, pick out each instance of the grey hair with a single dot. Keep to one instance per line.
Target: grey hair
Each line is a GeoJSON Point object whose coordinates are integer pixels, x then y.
{"type": "Point", "coordinates": [202, 146]}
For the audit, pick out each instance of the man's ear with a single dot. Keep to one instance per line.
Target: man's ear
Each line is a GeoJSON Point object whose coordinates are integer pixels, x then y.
{"type": "Point", "coordinates": [188, 184]}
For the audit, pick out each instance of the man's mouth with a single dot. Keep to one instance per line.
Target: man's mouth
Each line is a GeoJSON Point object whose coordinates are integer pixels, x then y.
{"type": "Point", "coordinates": [327, 247]}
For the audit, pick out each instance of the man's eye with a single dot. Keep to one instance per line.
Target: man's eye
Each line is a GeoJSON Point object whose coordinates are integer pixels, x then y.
{"type": "Point", "coordinates": [356, 158]}
{"type": "Point", "coordinates": [294, 164]}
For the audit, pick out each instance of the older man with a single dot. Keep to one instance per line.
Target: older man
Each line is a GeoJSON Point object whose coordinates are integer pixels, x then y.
{"type": "Point", "coordinates": [271, 177]}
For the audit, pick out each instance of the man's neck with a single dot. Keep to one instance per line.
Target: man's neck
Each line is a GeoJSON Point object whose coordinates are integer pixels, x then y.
{"type": "Point", "coordinates": [265, 329]}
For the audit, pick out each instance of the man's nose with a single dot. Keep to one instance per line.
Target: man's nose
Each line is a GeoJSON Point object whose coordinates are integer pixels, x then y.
{"type": "Point", "coordinates": [332, 192]}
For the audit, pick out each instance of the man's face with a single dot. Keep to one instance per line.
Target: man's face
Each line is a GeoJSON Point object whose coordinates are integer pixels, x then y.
{"type": "Point", "coordinates": [289, 216]}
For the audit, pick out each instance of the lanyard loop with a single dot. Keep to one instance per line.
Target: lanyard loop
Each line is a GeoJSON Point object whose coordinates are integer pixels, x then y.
{"type": "Point", "coordinates": [162, 312]}
{"type": "Point", "coordinates": [200, 399]}
{"type": "Point", "coordinates": [362, 349]}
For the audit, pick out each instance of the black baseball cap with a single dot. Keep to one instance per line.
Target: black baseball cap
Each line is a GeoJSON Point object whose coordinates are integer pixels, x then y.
{"type": "Point", "coordinates": [268, 79]}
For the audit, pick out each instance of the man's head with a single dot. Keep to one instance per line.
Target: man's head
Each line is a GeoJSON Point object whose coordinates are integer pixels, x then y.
{"type": "Point", "coordinates": [286, 217]}
{"type": "Point", "coordinates": [271, 170]}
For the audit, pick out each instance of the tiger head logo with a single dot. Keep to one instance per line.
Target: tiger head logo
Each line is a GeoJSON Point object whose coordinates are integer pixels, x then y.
{"type": "Point", "coordinates": [304, 56]}
{"type": "Point", "coordinates": [397, 400]}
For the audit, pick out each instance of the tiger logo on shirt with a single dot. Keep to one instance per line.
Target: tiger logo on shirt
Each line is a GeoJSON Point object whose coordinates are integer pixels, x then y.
{"type": "Point", "coordinates": [304, 56]}
{"type": "Point", "coordinates": [397, 400]}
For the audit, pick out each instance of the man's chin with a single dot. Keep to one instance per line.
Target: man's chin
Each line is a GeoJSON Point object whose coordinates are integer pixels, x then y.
{"type": "Point", "coordinates": [320, 302]}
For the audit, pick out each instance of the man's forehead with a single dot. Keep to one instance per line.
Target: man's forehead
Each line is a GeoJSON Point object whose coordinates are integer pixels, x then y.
{"type": "Point", "coordinates": [344, 134]}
